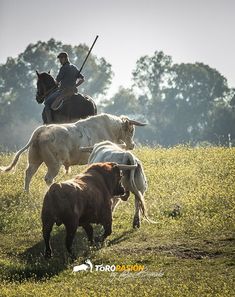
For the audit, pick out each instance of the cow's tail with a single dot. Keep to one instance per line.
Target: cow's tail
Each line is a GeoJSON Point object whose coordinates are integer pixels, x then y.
{"type": "Point", "coordinates": [139, 195]}
{"type": "Point", "coordinates": [55, 191]}
{"type": "Point", "coordinates": [17, 155]}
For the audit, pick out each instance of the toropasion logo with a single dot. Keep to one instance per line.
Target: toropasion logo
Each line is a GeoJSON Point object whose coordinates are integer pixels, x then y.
{"type": "Point", "coordinates": [111, 268]}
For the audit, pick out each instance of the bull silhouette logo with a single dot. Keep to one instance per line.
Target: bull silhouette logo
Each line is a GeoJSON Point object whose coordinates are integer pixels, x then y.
{"type": "Point", "coordinates": [84, 267]}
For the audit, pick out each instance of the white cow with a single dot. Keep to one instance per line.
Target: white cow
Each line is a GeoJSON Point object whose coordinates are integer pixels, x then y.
{"type": "Point", "coordinates": [58, 144]}
{"type": "Point", "coordinates": [133, 181]}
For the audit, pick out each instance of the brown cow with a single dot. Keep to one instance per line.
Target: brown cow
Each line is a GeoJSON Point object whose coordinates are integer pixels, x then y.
{"type": "Point", "coordinates": [81, 201]}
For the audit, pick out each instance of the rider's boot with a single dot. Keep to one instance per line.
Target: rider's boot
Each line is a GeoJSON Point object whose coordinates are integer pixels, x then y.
{"type": "Point", "coordinates": [48, 113]}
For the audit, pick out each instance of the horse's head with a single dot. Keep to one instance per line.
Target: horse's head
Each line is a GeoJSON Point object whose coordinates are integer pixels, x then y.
{"type": "Point", "coordinates": [45, 84]}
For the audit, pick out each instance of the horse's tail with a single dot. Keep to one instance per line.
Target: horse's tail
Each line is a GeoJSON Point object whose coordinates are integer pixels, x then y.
{"type": "Point", "coordinates": [17, 155]}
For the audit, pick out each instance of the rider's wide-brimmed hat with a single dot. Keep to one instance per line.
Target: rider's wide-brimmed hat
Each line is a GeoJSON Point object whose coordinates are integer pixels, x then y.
{"type": "Point", "coordinates": [62, 55]}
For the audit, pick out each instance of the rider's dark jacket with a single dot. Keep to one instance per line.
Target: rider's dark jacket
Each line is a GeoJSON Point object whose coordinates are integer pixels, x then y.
{"type": "Point", "coordinates": [68, 76]}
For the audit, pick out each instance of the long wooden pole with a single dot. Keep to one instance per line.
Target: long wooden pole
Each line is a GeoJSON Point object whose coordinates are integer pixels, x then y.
{"type": "Point", "coordinates": [88, 53]}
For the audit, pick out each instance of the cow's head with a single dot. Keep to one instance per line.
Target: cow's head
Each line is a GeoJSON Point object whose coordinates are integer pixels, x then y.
{"type": "Point", "coordinates": [111, 175]}
{"type": "Point", "coordinates": [115, 176]}
{"type": "Point", "coordinates": [128, 131]}
{"type": "Point", "coordinates": [118, 189]}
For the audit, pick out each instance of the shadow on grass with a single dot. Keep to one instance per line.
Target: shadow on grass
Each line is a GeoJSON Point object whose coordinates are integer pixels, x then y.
{"type": "Point", "coordinates": [33, 265]}
{"type": "Point", "coordinates": [124, 236]}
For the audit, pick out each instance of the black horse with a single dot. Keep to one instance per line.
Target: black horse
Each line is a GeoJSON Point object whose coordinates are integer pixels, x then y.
{"type": "Point", "coordinates": [77, 107]}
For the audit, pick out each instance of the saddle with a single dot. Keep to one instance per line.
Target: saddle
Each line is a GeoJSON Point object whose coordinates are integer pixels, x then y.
{"type": "Point", "coordinates": [64, 96]}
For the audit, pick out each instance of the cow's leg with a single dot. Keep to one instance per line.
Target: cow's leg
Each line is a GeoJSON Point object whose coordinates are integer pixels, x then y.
{"type": "Point", "coordinates": [115, 201]}
{"type": "Point", "coordinates": [34, 161]}
{"type": "Point", "coordinates": [46, 230]}
{"type": "Point", "coordinates": [71, 229]}
{"type": "Point", "coordinates": [52, 163]}
{"type": "Point", "coordinates": [67, 169]}
{"type": "Point", "coordinates": [52, 172]}
{"type": "Point", "coordinates": [107, 224]}
{"type": "Point", "coordinates": [136, 220]}
{"type": "Point", "coordinates": [30, 171]}
{"type": "Point", "coordinates": [89, 231]}
{"type": "Point", "coordinates": [125, 196]}
{"type": "Point", "coordinates": [107, 230]}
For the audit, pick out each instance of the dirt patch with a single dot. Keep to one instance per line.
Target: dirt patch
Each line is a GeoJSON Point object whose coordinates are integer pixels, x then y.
{"type": "Point", "coordinates": [188, 253]}
{"type": "Point", "coordinates": [179, 251]}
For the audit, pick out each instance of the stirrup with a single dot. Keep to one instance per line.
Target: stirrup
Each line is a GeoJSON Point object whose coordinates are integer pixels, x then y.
{"type": "Point", "coordinates": [59, 106]}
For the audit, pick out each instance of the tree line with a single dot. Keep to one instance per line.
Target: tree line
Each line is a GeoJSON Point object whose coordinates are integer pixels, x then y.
{"type": "Point", "coordinates": [182, 103]}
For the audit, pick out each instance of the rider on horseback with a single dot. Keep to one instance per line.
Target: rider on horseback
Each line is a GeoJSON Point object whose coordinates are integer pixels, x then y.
{"type": "Point", "coordinates": [68, 79]}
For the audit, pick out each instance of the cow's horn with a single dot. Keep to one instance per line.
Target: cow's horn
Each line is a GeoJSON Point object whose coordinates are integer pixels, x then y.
{"type": "Point", "coordinates": [126, 167]}
{"type": "Point", "coordinates": [86, 149]}
{"type": "Point", "coordinates": [136, 123]}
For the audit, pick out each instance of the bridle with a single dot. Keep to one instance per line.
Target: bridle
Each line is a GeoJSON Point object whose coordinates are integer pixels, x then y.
{"type": "Point", "coordinates": [41, 97]}
{"type": "Point", "coordinates": [47, 93]}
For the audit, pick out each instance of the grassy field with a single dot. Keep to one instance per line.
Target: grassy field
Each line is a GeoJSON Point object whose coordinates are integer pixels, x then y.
{"type": "Point", "coordinates": [191, 253]}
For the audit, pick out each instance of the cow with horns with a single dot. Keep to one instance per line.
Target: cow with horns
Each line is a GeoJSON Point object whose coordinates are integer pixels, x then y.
{"type": "Point", "coordinates": [133, 181]}
{"type": "Point", "coordinates": [59, 144]}
{"type": "Point", "coordinates": [83, 200]}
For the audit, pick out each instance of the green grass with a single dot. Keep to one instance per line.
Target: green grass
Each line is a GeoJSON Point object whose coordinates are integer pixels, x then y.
{"type": "Point", "coordinates": [192, 254]}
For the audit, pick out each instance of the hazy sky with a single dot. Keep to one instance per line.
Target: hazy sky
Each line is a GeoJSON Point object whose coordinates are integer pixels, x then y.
{"type": "Point", "coordinates": [188, 30]}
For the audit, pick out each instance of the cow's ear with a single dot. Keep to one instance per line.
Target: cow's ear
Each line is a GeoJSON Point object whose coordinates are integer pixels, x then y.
{"type": "Point", "coordinates": [126, 125]}
{"type": "Point", "coordinates": [49, 72]}
{"type": "Point", "coordinates": [37, 73]}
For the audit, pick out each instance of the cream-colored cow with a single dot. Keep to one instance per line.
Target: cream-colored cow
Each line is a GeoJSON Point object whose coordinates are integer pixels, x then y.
{"type": "Point", "coordinates": [58, 144]}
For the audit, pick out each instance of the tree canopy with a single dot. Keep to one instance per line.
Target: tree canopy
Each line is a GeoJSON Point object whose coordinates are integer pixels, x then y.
{"type": "Point", "coordinates": [182, 103]}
